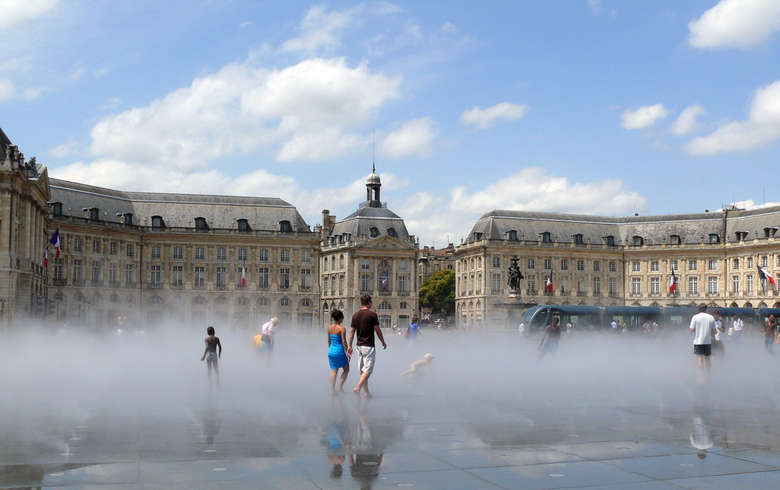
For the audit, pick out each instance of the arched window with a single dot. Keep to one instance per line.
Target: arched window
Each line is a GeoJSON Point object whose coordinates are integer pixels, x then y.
{"type": "Point", "coordinates": [609, 240]}
{"type": "Point", "coordinates": [546, 237]}
{"type": "Point", "coordinates": [221, 300]}
{"type": "Point", "coordinates": [243, 301]}
{"type": "Point", "coordinates": [114, 298]}
{"type": "Point", "coordinates": [156, 300]}
{"type": "Point", "coordinates": [714, 238]}
{"type": "Point", "coordinates": [94, 214]}
{"type": "Point", "coordinates": [285, 226]}
{"type": "Point", "coordinates": [578, 239]}
{"type": "Point", "coordinates": [200, 300]}
{"type": "Point", "coordinates": [512, 235]}
{"type": "Point", "coordinates": [325, 306]}
{"type": "Point", "coordinates": [374, 231]}
{"type": "Point", "coordinates": [341, 305]}
{"type": "Point", "coordinates": [262, 301]}
{"type": "Point", "coordinates": [391, 232]}
{"type": "Point", "coordinates": [157, 222]}
{"type": "Point", "coordinates": [243, 225]}
{"type": "Point", "coordinates": [638, 241]}
{"type": "Point", "coordinates": [200, 224]}
{"type": "Point", "coordinates": [675, 239]}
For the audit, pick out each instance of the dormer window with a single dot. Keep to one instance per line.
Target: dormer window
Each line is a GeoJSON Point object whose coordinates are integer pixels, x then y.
{"type": "Point", "coordinates": [609, 240]}
{"type": "Point", "coordinates": [769, 232]}
{"type": "Point", "coordinates": [391, 232]}
{"type": "Point", "coordinates": [675, 240]}
{"type": "Point", "coordinates": [200, 224]}
{"type": "Point", "coordinates": [243, 225]}
{"type": "Point", "coordinates": [546, 237]}
{"type": "Point", "coordinates": [285, 226]}
{"type": "Point", "coordinates": [94, 214]}
{"type": "Point", "coordinates": [578, 239]}
{"type": "Point", "coordinates": [374, 232]}
{"type": "Point", "coordinates": [477, 236]}
{"type": "Point", "coordinates": [741, 235]}
{"type": "Point", "coordinates": [157, 222]}
{"type": "Point", "coordinates": [511, 235]}
{"type": "Point", "coordinates": [56, 209]}
{"type": "Point", "coordinates": [714, 238]}
{"type": "Point", "coordinates": [128, 218]}
{"type": "Point", "coordinates": [638, 241]}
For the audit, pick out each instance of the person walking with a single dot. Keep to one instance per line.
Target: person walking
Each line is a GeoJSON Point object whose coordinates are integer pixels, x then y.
{"type": "Point", "coordinates": [338, 357]}
{"type": "Point", "coordinates": [717, 340]}
{"type": "Point", "coordinates": [413, 329]}
{"type": "Point", "coordinates": [550, 338]}
{"type": "Point", "coordinates": [702, 324]}
{"type": "Point", "coordinates": [210, 355]}
{"type": "Point", "coordinates": [770, 333]}
{"type": "Point", "coordinates": [365, 324]}
{"type": "Point", "coordinates": [267, 339]}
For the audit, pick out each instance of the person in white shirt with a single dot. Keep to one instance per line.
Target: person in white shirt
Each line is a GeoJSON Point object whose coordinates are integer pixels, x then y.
{"type": "Point", "coordinates": [702, 324]}
{"type": "Point", "coordinates": [717, 338]}
{"type": "Point", "coordinates": [737, 328]}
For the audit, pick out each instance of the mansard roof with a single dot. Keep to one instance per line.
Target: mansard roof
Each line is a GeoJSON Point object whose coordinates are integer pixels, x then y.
{"type": "Point", "coordinates": [177, 210]}
{"type": "Point", "coordinates": [360, 223]}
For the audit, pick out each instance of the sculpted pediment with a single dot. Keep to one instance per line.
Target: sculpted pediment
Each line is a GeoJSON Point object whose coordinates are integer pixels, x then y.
{"type": "Point", "coordinates": [387, 243]}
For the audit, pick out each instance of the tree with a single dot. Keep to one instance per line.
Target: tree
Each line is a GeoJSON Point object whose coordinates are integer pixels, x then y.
{"type": "Point", "coordinates": [438, 292]}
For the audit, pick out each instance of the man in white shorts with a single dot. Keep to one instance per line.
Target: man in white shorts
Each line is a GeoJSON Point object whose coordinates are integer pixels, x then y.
{"type": "Point", "coordinates": [366, 324]}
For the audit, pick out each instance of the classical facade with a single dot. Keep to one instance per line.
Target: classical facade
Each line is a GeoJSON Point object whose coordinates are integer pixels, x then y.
{"type": "Point", "coordinates": [597, 260]}
{"type": "Point", "coordinates": [146, 257]}
{"type": "Point", "coordinates": [24, 192]}
{"type": "Point", "coordinates": [369, 252]}
{"type": "Point", "coordinates": [431, 260]}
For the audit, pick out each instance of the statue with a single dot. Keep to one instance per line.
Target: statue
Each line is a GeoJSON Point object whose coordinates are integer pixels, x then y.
{"type": "Point", "coordinates": [515, 276]}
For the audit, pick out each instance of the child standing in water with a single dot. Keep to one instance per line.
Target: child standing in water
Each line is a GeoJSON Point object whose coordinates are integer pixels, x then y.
{"type": "Point", "coordinates": [552, 334]}
{"type": "Point", "coordinates": [210, 354]}
{"type": "Point", "coordinates": [338, 357]}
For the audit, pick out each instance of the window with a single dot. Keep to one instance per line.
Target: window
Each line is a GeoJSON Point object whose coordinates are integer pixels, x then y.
{"type": "Point", "coordinates": [177, 272]}
{"type": "Point", "coordinates": [374, 232]}
{"type": "Point", "coordinates": [578, 239]}
{"type": "Point", "coordinates": [243, 225]}
{"type": "Point", "coordinates": [284, 278]}
{"type": "Point", "coordinates": [112, 247]}
{"type": "Point", "coordinates": [712, 265]}
{"type": "Point", "coordinates": [200, 253]}
{"type": "Point", "coordinates": [262, 278]}
{"type": "Point", "coordinates": [77, 244]}
{"type": "Point", "coordinates": [712, 285]}
{"type": "Point", "coordinates": [735, 264]}
{"type": "Point", "coordinates": [95, 271]}
{"type": "Point", "coordinates": [305, 279]}
{"type": "Point", "coordinates": [284, 255]}
{"type": "Point", "coordinates": [635, 266]}
{"type": "Point", "coordinates": [714, 238]}
{"type": "Point", "coordinates": [285, 226]}
{"type": "Point", "coordinates": [655, 285]}
{"type": "Point", "coordinates": [612, 286]}
{"type": "Point", "coordinates": [532, 284]}
{"type": "Point", "coordinates": [284, 302]}
{"type": "Point", "coordinates": [221, 253]}
{"type": "Point", "coordinates": [596, 266]}
{"type": "Point", "coordinates": [56, 208]}
{"type": "Point", "coordinates": [636, 286]}
{"type": "Point", "coordinates": [693, 286]}
{"type": "Point", "coordinates": [365, 265]}
{"type": "Point", "coordinates": [59, 270]}
{"type": "Point", "coordinates": [243, 253]}
{"type": "Point", "coordinates": [403, 305]}
{"type": "Point", "coordinates": [580, 265]}
{"type": "Point", "coordinates": [157, 222]}
{"type": "Point", "coordinates": [496, 261]}
{"type": "Point", "coordinates": [112, 271]}
{"type": "Point", "coordinates": [96, 246]}
{"type": "Point", "coordinates": [597, 286]}
{"type": "Point", "coordinates": [199, 281]}
{"type": "Point", "coordinates": [610, 240]}
{"type": "Point", "coordinates": [341, 261]}
{"type": "Point", "coordinates": [547, 264]}
{"type": "Point", "coordinates": [156, 252]}
{"type": "Point", "coordinates": [764, 261]}
{"type": "Point", "coordinates": [325, 282]}
{"type": "Point", "coordinates": [403, 281]}
{"type": "Point", "coordinates": [306, 303]}
{"type": "Point", "coordinates": [263, 257]}
{"type": "Point", "coordinates": [749, 284]}
{"type": "Point", "coordinates": [750, 263]}
{"type": "Point", "coordinates": [391, 232]}
{"type": "Point", "coordinates": [128, 218]}
{"type": "Point", "coordinates": [512, 235]}
{"type": "Point", "coordinates": [365, 283]}
{"type": "Point", "coordinates": [735, 284]}
{"type": "Point", "coordinates": [384, 281]}
{"type": "Point", "coordinates": [564, 264]}
{"type": "Point", "coordinates": [531, 263]}
{"type": "Point", "coordinates": [325, 264]}
{"type": "Point", "coordinates": [675, 240]}
{"type": "Point", "coordinates": [341, 284]}
{"type": "Point", "coordinates": [94, 214]}
{"type": "Point", "coordinates": [612, 266]}
{"type": "Point", "coordinates": [546, 237]}
{"type": "Point", "coordinates": [638, 241]}
{"type": "Point", "coordinates": [129, 275]}
{"type": "Point", "coordinates": [154, 278]}
{"type": "Point", "coordinates": [402, 265]}
{"type": "Point", "coordinates": [221, 277]}
{"type": "Point", "coordinates": [673, 265]}
{"type": "Point", "coordinates": [692, 265]}
{"type": "Point", "coordinates": [654, 266]}
{"type": "Point", "coordinates": [384, 305]}
{"type": "Point", "coordinates": [130, 251]}
{"type": "Point", "coordinates": [178, 253]}
{"type": "Point", "coordinates": [306, 255]}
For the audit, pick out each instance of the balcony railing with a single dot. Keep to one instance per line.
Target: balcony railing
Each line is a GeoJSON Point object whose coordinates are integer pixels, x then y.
{"type": "Point", "coordinates": [59, 282]}
{"type": "Point", "coordinates": [176, 285]}
{"type": "Point", "coordinates": [154, 285]}
{"type": "Point", "coordinates": [262, 287]}
{"type": "Point", "coordinates": [95, 283]}
{"type": "Point", "coordinates": [130, 285]}
{"type": "Point", "coordinates": [199, 285]}
{"type": "Point", "coordinates": [304, 288]}
{"type": "Point", "coordinates": [114, 284]}
{"type": "Point", "coordinates": [78, 282]}
{"type": "Point", "coordinates": [581, 294]}
{"type": "Point", "coordinates": [221, 287]}
{"type": "Point", "coordinates": [531, 292]}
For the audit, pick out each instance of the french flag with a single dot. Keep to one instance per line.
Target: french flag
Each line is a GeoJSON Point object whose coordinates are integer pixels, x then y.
{"type": "Point", "coordinates": [764, 274]}
{"type": "Point", "coordinates": [243, 277]}
{"type": "Point", "coordinates": [673, 283]}
{"type": "Point", "coordinates": [45, 258]}
{"type": "Point", "coordinates": [55, 240]}
{"type": "Point", "coordinates": [549, 283]}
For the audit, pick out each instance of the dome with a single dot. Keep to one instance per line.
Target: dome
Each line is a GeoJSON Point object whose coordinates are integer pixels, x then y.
{"type": "Point", "coordinates": [373, 179]}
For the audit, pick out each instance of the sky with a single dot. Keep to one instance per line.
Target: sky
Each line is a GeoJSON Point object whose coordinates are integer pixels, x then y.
{"type": "Point", "coordinates": [591, 106]}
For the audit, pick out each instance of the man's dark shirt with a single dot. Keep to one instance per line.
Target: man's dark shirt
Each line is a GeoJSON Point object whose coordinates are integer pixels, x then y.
{"type": "Point", "coordinates": [364, 322]}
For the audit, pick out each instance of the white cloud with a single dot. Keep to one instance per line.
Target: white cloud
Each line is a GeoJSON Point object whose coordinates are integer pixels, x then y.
{"type": "Point", "coordinates": [66, 149]}
{"type": "Point", "coordinates": [750, 204]}
{"type": "Point", "coordinates": [595, 6]}
{"type": "Point", "coordinates": [735, 23]}
{"type": "Point", "coordinates": [7, 89]}
{"type": "Point", "coordinates": [111, 103]}
{"type": "Point", "coordinates": [16, 12]}
{"type": "Point", "coordinates": [643, 117]}
{"type": "Point", "coordinates": [413, 138]}
{"type": "Point", "coordinates": [449, 28]}
{"type": "Point", "coordinates": [319, 28]}
{"type": "Point", "coordinates": [77, 72]}
{"type": "Point", "coordinates": [485, 118]}
{"type": "Point", "coordinates": [686, 121]}
{"type": "Point", "coordinates": [761, 128]}
{"type": "Point", "coordinates": [439, 219]}
{"type": "Point", "coordinates": [246, 24]}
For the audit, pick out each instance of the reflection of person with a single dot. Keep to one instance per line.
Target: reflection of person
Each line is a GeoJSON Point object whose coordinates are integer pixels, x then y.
{"type": "Point", "coordinates": [210, 355]}
{"type": "Point", "coordinates": [367, 458]}
{"type": "Point", "coordinates": [337, 356]}
{"type": "Point", "coordinates": [702, 324]}
{"type": "Point", "coordinates": [417, 365]}
{"type": "Point", "coordinates": [700, 437]}
{"type": "Point", "coordinates": [337, 439]}
{"type": "Point", "coordinates": [550, 338]}
{"type": "Point", "coordinates": [365, 323]}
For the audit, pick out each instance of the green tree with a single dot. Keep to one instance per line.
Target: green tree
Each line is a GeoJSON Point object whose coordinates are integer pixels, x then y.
{"type": "Point", "coordinates": [438, 292]}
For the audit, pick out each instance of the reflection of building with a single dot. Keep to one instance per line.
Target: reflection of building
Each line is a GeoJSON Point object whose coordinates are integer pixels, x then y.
{"type": "Point", "coordinates": [24, 192]}
{"type": "Point", "coordinates": [369, 251]}
{"type": "Point", "coordinates": [618, 261]}
{"type": "Point", "coordinates": [431, 260]}
{"type": "Point", "coordinates": [193, 258]}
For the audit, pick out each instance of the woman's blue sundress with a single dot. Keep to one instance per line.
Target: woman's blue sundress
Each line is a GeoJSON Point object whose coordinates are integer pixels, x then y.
{"type": "Point", "coordinates": [336, 355]}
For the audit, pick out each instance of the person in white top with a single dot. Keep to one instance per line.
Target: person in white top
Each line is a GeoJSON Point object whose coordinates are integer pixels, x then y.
{"type": "Point", "coordinates": [702, 324]}
{"type": "Point", "coordinates": [737, 328]}
{"type": "Point", "coordinates": [267, 333]}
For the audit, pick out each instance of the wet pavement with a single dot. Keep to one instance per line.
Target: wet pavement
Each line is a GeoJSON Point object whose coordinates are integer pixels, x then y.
{"type": "Point", "coordinates": [396, 441]}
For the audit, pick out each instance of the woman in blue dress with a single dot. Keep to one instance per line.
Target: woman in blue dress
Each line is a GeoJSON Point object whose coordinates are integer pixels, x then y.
{"type": "Point", "coordinates": [338, 356]}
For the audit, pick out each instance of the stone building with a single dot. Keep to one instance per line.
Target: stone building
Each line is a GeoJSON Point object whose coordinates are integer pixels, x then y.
{"type": "Point", "coordinates": [369, 252]}
{"type": "Point", "coordinates": [431, 259]}
{"type": "Point", "coordinates": [142, 257]}
{"type": "Point", "coordinates": [618, 261]}
{"type": "Point", "coordinates": [24, 193]}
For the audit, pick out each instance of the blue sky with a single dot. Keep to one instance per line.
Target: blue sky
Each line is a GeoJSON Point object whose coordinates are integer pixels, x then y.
{"type": "Point", "coordinates": [601, 107]}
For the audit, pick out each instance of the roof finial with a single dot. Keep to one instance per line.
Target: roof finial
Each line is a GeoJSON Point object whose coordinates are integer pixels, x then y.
{"type": "Point", "coordinates": [373, 151]}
